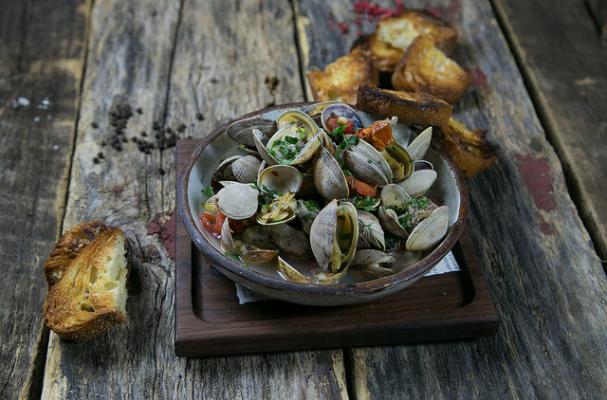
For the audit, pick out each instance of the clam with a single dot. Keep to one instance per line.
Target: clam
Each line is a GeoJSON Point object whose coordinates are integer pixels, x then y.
{"type": "Point", "coordinates": [419, 146]}
{"type": "Point", "coordinates": [342, 113]}
{"type": "Point", "coordinates": [295, 142]}
{"type": "Point", "coordinates": [370, 231]}
{"type": "Point", "coordinates": [280, 178]}
{"type": "Point", "coordinates": [306, 211]}
{"type": "Point", "coordinates": [430, 231]}
{"type": "Point", "coordinates": [399, 160]}
{"type": "Point", "coordinates": [329, 278]}
{"type": "Point", "coordinates": [248, 254]}
{"type": "Point", "coordinates": [245, 168]}
{"type": "Point", "coordinates": [315, 110]}
{"type": "Point", "coordinates": [329, 179]}
{"type": "Point", "coordinates": [418, 220]}
{"type": "Point", "coordinates": [334, 236]}
{"type": "Point", "coordinates": [238, 201]}
{"type": "Point", "coordinates": [368, 261]}
{"type": "Point", "coordinates": [280, 182]}
{"type": "Point", "coordinates": [240, 131]}
{"type": "Point", "coordinates": [289, 273]}
{"type": "Point", "coordinates": [367, 164]}
{"type": "Point", "coordinates": [285, 238]}
{"type": "Point", "coordinates": [419, 182]}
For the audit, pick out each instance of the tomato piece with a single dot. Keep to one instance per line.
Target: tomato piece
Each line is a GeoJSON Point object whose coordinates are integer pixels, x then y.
{"type": "Point", "coordinates": [360, 187]}
{"type": "Point", "coordinates": [379, 134]}
{"type": "Point", "coordinates": [349, 128]}
{"type": "Point", "coordinates": [212, 222]}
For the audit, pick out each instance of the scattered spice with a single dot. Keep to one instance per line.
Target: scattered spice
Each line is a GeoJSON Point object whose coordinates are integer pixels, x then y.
{"type": "Point", "coordinates": [95, 160]}
{"type": "Point", "coordinates": [271, 83]}
{"type": "Point", "coordinates": [161, 171]}
{"type": "Point", "coordinates": [181, 127]}
{"type": "Point", "coordinates": [94, 125]}
{"type": "Point", "coordinates": [119, 114]}
{"type": "Point", "coordinates": [100, 155]}
{"type": "Point", "coordinates": [200, 117]}
{"type": "Point", "coordinates": [139, 110]}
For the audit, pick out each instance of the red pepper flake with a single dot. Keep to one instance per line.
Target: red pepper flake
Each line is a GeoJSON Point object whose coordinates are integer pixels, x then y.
{"type": "Point", "coordinates": [342, 27]}
{"type": "Point", "coordinates": [375, 11]}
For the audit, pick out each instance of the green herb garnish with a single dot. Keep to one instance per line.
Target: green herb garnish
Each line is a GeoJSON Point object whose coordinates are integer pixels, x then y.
{"type": "Point", "coordinates": [208, 191]}
{"type": "Point", "coordinates": [311, 205]}
{"type": "Point", "coordinates": [364, 203]}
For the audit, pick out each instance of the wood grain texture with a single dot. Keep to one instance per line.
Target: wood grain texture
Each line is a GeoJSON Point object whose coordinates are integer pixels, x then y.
{"type": "Point", "coordinates": [218, 67]}
{"type": "Point", "coordinates": [547, 281]}
{"type": "Point", "coordinates": [598, 9]}
{"type": "Point", "coordinates": [225, 67]}
{"type": "Point", "coordinates": [565, 67]}
{"type": "Point", "coordinates": [41, 59]}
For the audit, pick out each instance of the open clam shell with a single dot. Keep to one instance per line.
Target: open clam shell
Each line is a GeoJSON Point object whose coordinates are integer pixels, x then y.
{"type": "Point", "coordinates": [238, 201]}
{"type": "Point", "coordinates": [340, 110]}
{"type": "Point", "coordinates": [334, 236]}
{"type": "Point", "coordinates": [429, 231]}
{"type": "Point", "coordinates": [419, 182]}
{"type": "Point", "coordinates": [280, 178]}
{"type": "Point", "coordinates": [249, 254]}
{"type": "Point", "coordinates": [392, 195]}
{"type": "Point", "coordinates": [315, 110]}
{"type": "Point", "coordinates": [419, 146]}
{"type": "Point", "coordinates": [368, 164]}
{"type": "Point", "coordinates": [329, 179]}
{"type": "Point", "coordinates": [289, 273]}
{"type": "Point", "coordinates": [296, 141]}
{"type": "Point", "coordinates": [240, 131]}
{"type": "Point", "coordinates": [399, 160]}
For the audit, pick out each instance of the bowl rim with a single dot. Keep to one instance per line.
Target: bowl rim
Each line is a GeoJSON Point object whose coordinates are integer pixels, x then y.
{"type": "Point", "coordinates": [361, 288]}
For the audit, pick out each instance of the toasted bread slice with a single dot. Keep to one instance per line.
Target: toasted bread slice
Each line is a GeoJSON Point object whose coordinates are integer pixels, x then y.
{"type": "Point", "coordinates": [411, 107]}
{"type": "Point", "coordinates": [470, 150]}
{"type": "Point", "coordinates": [394, 35]}
{"type": "Point", "coordinates": [89, 294]}
{"type": "Point", "coordinates": [425, 68]}
{"type": "Point", "coordinates": [341, 79]}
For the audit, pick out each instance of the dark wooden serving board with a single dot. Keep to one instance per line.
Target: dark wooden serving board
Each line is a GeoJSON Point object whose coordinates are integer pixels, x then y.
{"type": "Point", "coordinates": [209, 320]}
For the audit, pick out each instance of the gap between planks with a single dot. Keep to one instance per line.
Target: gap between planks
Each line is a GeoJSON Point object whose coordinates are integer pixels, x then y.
{"type": "Point", "coordinates": [573, 185]}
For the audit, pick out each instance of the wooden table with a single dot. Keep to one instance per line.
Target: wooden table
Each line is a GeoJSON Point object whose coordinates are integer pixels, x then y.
{"type": "Point", "coordinates": [537, 216]}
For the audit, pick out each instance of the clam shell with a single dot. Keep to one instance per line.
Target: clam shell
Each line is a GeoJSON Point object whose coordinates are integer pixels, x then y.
{"type": "Point", "coordinates": [389, 221]}
{"type": "Point", "coordinates": [419, 146]}
{"type": "Point", "coordinates": [240, 131]}
{"type": "Point", "coordinates": [258, 256]}
{"type": "Point", "coordinates": [419, 182]}
{"type": "Point", "coordinates": [261, 148]}
{"type": "Point", "coordinates": [393, 195]}
{"type": "Point", "coordinates": [341, 110]}
{"type": "Point", "coordinates": [245, 168]}
{"type": "Point", "coordinates": [329, 179]}
{"type": "Point", "coordinates": [238, 201]}
{"type": "Point", "coordinates": [280, 178]}
{"type": "Point", "coordinates": [430, 231]}
{"type": "Point", "coordinates": [371, 256]}
{"type": "Point", "coordinates": [370, 232]}
{"type": "Point", "coordinates": [402, 157]}
{"type": "Point", "coordinates": [293, 116]}
{"type": "Point", "coordinates": [289, 273]}
{"type": "Point", "coordinates": [324, 236]}
{"type": "Point", "coordinates": [367, 164]}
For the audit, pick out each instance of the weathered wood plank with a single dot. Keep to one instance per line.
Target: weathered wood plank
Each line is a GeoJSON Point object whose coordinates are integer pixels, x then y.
{"type": "Point", "coordinates": [565, 66]}
{"type": "Point", "coordinates": [598, 9]}
{"type": "Point", "coordinates": [219, 68]}
{"type": "Point", "coordinates": [547, 281]}
{"type": "Point", "coordinates": [41, 58]}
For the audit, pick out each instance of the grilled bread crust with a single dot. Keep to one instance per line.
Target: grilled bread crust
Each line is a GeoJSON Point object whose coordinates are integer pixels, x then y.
{"type": "Point", "coordinates": [411, 107]}
{"type": "Point", "coordinates": [425, 68]}
{"type": "Point", "coordinates": [468, 149]}
{"type": "Point", "coordinates": [341, 79]}
{"type": "Point", "coordinates": [393, 36]}
{"type": "Point", "coordinates": [87, 273]}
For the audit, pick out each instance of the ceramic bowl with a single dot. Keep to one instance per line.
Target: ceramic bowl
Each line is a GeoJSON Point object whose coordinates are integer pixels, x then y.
{"type": "Point", "coordinates": [449, 189]}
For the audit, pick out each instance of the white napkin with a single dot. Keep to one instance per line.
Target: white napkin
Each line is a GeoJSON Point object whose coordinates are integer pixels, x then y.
{"type": "Point", "coordinates": [447, 264]}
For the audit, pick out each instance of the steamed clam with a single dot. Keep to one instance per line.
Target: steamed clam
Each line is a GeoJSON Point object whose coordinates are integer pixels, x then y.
{"type": "Point", "coordinates": [296, 141]}
{"type": "Point", "coordinates": [334, 236]}
{"type": "Point", "coordinates": [418, 220]}
{"type": "Point", "coordinates": [320, 194]}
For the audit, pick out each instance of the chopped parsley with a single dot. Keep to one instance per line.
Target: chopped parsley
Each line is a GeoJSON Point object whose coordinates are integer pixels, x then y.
{"type": "Point", "coordinates": [311, 205]}
{"type": "Point", "coordinates": [365, 203]}
{"type": "Point", "coordinates": [208, 191]}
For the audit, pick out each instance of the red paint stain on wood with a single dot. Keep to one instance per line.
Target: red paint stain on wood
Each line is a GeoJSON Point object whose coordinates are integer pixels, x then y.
{"type": "Point", "coordinates": [547, 228]}
{"type": "Point", "coordinates": [479, 79]}
{"type": "Point", "coordinates": [538, 178]}
{"type": "Point", "coordinates": [164, 226]}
